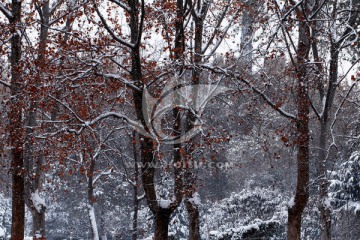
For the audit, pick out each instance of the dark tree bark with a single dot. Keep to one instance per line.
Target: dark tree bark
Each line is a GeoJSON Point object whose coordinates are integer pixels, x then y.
{"type": "Point", "coordinates": [16, 128]}
{"type": "Point", "coordinates": [194, 220]}
{"type": "Point", "coordinates": [190, 185]}
{"type": "Point", "coordinates": [162, 219]}
{"type": "Point", "coordinates": [302, 125]}
{"type": "Point", "coordinates": [33, 161]}
{"type": "Point", "coordinates": [136, 13]}
{"type": "Point", "coordinates": [162, 215]}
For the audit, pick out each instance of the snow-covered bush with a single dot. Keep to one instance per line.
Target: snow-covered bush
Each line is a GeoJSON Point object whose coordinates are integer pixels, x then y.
{"type": "Point", "coordinates": [344, 193]}
{"type": "Point", "coordinates": [5, 216]}
{"type": "Point", "coordinates": [258, 212]}
{"type": "Point", "coordinates": [345, 184]}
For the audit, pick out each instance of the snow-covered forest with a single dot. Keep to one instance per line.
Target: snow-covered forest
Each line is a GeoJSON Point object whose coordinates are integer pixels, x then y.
{"type": "Point", "coordinates": [179, 119]}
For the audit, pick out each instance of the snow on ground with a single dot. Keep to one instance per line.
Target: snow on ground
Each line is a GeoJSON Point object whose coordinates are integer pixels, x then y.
{"type": "Point", "coordinates": [2, 232]}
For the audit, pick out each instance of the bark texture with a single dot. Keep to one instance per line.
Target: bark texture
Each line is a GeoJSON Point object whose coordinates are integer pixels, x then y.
{"type": "Point", "coordinates": [16, 129]}
{"type": "Point", "coordinates": [302, 125]}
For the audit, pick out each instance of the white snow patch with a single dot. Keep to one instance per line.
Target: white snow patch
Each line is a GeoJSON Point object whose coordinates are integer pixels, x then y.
{"type": "Point", "coordinates": [327, 203]}
{"type": "Point", "coordinates": [353, 206]}
{"type": "Point", "coordinates": [165, 203]}
{"type": "Point", "coordinates": [214, 233]}
{"type": "Point", "coordinates": [291, 202]}
{"type": "Point", "coordinates": [38, 202]}
{"type": "Point", "coordinates": [2, 232]}
{"type": "Point", "coordinates": [147, 238]}
{"type": "Point", "coordinates": [195, 199]}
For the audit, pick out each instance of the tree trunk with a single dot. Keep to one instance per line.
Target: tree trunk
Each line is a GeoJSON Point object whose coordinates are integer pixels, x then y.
{"type": "Point", "coordinates": [325, 216]}
{"type": "Point", "coordinates": [102, 227]}
{"type": "Point", "coordinates": [302, 124]}
{"type": "Point", "coordinates": [246, 45]}
{"type": "Point", "coordinates": [18, 202]}
{"type": "Point", "coordinates": [135, 219]}
{"type": "Point", "coordinates": [189, 173]}
{"type": "Point", "coordinates": [16, 128]}
{"type": "Point", "coordinates": [135, 188]}
{"type": "Point", "coordinates": [325, 213]}
{"type": "Point", "coordinates": [194, 220]}
{"type": "Point", "coordinates": [39, 231]}
{"type": "Point", "coordinates": [294, 225]}
{"type": "Point", "coordinates": [91, 209]}
{"type": "Point", "coordinates": [31, 161]}
{"type": "Point", "coordinates": [162, 220]}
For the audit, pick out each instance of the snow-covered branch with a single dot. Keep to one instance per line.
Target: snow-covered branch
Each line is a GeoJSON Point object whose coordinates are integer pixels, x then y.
{"type": "Point", "coordinates": [111, 32]}
{"type": "Point", "coordinates": [122, 5]}
{"type": "Point", "coordinates": [118, 77]}
{"type": "Point", "coordinates": [267, 99]}
{"type": "Point", "coordinates": [6, 11]}
{"type": "Point", "coordinates": [96, 178]}
{"type": "Point", "coordinates": [6, 84]}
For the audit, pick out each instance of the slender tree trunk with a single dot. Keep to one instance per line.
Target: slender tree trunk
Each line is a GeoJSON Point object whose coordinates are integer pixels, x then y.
{"type": "Point", "coordinates": [135, 188]}
{"type": "Point", "coordinates": [247, 33]}
{"type": "Point", "coordinates": [102, 227]}
{"type": "Point", "coordinates": [135, 219]}
{"type": "Point", "coordinates": [91, 209]}
{"type": "Point", "coordinates": [302, 124]}
{"type": "Point", "coordinates": [16, 128]}
{"type": "Point", "coordinates": [325, 214]}
{"type": "Point", "coordinates": [189, 174]}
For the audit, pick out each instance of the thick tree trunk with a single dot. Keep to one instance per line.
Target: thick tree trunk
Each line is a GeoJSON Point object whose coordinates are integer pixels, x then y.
{"type": "Point", "coordinates": [194, 220]}
{"type": "Point", "coordinates": [31, 161]}
{"type": "Point", "coordinates": [162, 219]}
{"type": "Point", "coordinates": [302, 123]}
{"type": "Point", "coordinates": [18, 202]}
{"type": "Point", "coordinates": [189, 173]}
{"type": "Point", "coordinates": [16, 128]}
{"type": "Point", "coordinates": [147, 158]}
{"type": "Point", "coordinates": [39, 231]}
{"type": "Point", "coordinates": [294, 225]}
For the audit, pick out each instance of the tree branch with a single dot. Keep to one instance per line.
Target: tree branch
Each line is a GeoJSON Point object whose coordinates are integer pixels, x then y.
{"type": "Point", "coordinates": [6, 11]}
{"type": "Point", "coordinates": [274, 106]}
{"type": "Point", "coordinates": [110, 31]}
{"type": "Point", "coordinates": [122, 5]}
{"type": "Point", "coordinates": [5, 84]}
